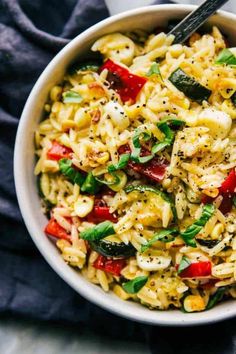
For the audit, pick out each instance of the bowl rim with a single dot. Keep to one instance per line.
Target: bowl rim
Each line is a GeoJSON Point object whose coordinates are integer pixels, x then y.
{"type": "Point", "coordinates": [82, 285]}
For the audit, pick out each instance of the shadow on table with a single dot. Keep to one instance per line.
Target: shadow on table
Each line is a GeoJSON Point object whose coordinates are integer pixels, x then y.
{"type": "Point", "coordinates": [211, 339]}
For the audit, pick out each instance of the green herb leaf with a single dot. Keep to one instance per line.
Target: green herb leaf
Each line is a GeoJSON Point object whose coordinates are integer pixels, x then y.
{"type": "Point", "coordinates": [164, 236]}
{"type": "Point", "coordinates": [90, 185]}
{"type": "Point", "coordinates": [214, 299]}
{"type": "Point", "coordinates": [98, 232]}
{"type": "Point", "coordinates": [133, 286]}
{"type": "Point", "coordinates": [189, 234]}
{"type": "Point", "coordinates": [135, 155]}
{"type": "Point", "coordinates": [185, 263]}
{"type": "Point", "coordinates": [154, 70]}
{"type": "Point", "coordinates": [66, 168]}
{"type": "Point", "coordinates": [226, 57]}
{"type": "Point", "coordinates": [163, 125]}
{"type": "Point", "coordinates": [123, 161]}
{"type": "Point", "coordinates": [72, 97]}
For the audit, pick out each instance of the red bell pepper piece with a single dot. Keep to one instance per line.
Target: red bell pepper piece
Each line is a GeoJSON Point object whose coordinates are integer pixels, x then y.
{"type": "Point", "coordinates": [227, 191]}
{"type": "Point", "coordinates": [58, 151]}
{"type": "Point", "coordinates": [101, 213]}
{"type": "Point", "coordinates": [55, 230]}
{"type": "Point", "coordinates": [197, 270]}
{"type": "Point", "coordinates": [229, 184]}
{"type": "Point", "coordinates": [109, 265]}
{"type": "Point", "coordinates": [154, 169]}
{"type": "Point", "coordinates": [126, 84]}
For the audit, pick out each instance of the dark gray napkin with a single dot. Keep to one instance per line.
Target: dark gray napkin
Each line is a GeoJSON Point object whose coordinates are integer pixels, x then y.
{"type": "Point", "coordinates": [31, 32]}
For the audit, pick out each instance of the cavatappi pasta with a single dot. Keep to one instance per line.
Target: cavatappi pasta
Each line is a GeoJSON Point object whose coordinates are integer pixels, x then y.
{"type": "Point", "coordinates": [136, 167]}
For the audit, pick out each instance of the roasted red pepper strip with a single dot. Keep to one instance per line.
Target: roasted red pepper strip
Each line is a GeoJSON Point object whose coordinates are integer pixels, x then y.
{"type": "Point", "coordinates": [126, 84]}
{"type": "Point", "coordinates": [227, 190]}
{"type": "Point", "coordinates": [113, 266]}
{"type": "Point", "coordinates": [55, 230]}
{"type": "Point", "coordinates": [197, 270]}
{"type": "Point", "coordinates": [229, 184]}
{"type": "Point", "coordinates": [154, 169]}
{"type": "Point", "coordinates": [58, 151]}
{"type": "Point", "coordinates": [99, 214]}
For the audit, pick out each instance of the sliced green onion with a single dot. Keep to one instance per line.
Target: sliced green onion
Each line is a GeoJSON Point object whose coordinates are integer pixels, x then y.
{"type": "Point", "coordinates": [66, 168]}
{"type": "Point", "coordinates": [72, 97]}
{"type": "Point", "coordinates": [135, 155]}
{"type": "Point", "coordinates": [189, 234]}
{"type": "Point", "coordinates": [98, 232]}
{"type": "Point", "coordinates": [163, 236]}
{"type": "Point", "coordinates": [113, 180]}
{"type": "Point", "coordinates": [184, 264]}
{"type": "Point", "coordinates": [154, 70]}
{"type": "Point", "coordinates": [226, 57]}
{"type": "Point", "coordinates": [133, 286]}
{"type": "Point", "coordinates": [122, 163]}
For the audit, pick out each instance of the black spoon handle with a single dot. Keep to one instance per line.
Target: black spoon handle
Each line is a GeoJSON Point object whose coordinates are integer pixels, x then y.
{"type": "Point", "coordinates": [195, 19]}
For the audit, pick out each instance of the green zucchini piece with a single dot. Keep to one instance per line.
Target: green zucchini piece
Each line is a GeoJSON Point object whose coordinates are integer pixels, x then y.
{"type": "Point", "coordinates": [189, 86]}
{"type": "Point", "coordinates": [145, 188]}
{"type": "Point", "coordinates": [233, 99]}
{"type": "Point", "coordinates": [49, 203]}
{"type": "Point", "coordinates": [113, 249]}
{"type": "Point", "coordinates": [207, 242]}
{"type": "Point", "coordinates": [215, 298]}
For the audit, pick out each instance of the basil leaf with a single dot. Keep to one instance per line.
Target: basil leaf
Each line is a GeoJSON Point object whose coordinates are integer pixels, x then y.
{"type": "Point", "coordinates": [98, 232]}
{"type": "Point", "coordinates": [72, 97]}
{"type": "Point", "coordinates": [90, 185]}
{"type": "Point", "coordinates": [135, 155]}
{"type": "Point", "coordinates": [133, 286]}
{"type": "Point", "coordinates": [226, 57]}
{"type": "Point", "coordinates": [123, 161]}
{"type": "Point", "coordinates": [164, 236]}
{"type": "Point", "coordinates": [172, 121]}
{"type": "Point", "coordinates": [184, 264]}
{"type": "Point", "coordinates": [214, 299]}
{"type": "Point", "coordinates": [154, 70]}
{"type": "Point", "coordinates": [66, 168]}
{"type": "Point", "coordinates": [189, 234]}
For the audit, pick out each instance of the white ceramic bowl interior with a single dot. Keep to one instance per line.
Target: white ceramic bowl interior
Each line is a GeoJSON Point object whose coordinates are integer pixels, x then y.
{"type": "Point", "coordinates": [24, 161]}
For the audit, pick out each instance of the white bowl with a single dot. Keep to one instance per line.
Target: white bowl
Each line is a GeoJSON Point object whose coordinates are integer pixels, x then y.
{"type": "Point", "coordinates": [24, 161]}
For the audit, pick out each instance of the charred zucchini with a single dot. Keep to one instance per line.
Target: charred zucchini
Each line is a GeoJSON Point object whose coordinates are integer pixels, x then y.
{"type": "Point", "coordinates": [189, 86]}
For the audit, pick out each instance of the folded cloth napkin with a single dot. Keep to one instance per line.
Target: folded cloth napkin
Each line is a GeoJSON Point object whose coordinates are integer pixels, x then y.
{"type": "Point", "coordinates": [31, 34]}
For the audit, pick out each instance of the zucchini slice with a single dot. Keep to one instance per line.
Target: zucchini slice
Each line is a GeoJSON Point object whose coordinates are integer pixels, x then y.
{"type": "Point", "coordinates": [113, 249]}
{"type": "Point", "coordinates": [189, 86]}
{"type": "Point", "coordinates": [90, 65]}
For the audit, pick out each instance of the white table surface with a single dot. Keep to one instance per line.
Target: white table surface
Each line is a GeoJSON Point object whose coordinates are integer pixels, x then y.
{"type": "Point", "coordinates": [18, 336]}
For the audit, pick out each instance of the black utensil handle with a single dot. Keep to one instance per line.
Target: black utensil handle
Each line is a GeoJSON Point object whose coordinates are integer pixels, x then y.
{"type": "Point", "coordinates": [195, 19]}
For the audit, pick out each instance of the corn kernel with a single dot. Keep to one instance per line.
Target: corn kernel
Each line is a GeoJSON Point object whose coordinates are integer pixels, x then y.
{"type": "Point", "coordinates": [55, 93]}
{"type": "Point", "coordinates": [67, 124]}
{"type": "Point", "coordinates": [103, 157]}
{"type": "Point", "coordinates": [217, 231]}
{"type": "Point", "coordinates": [211, 192]}
{"type": "Point", "coordinates": [193, 303]}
